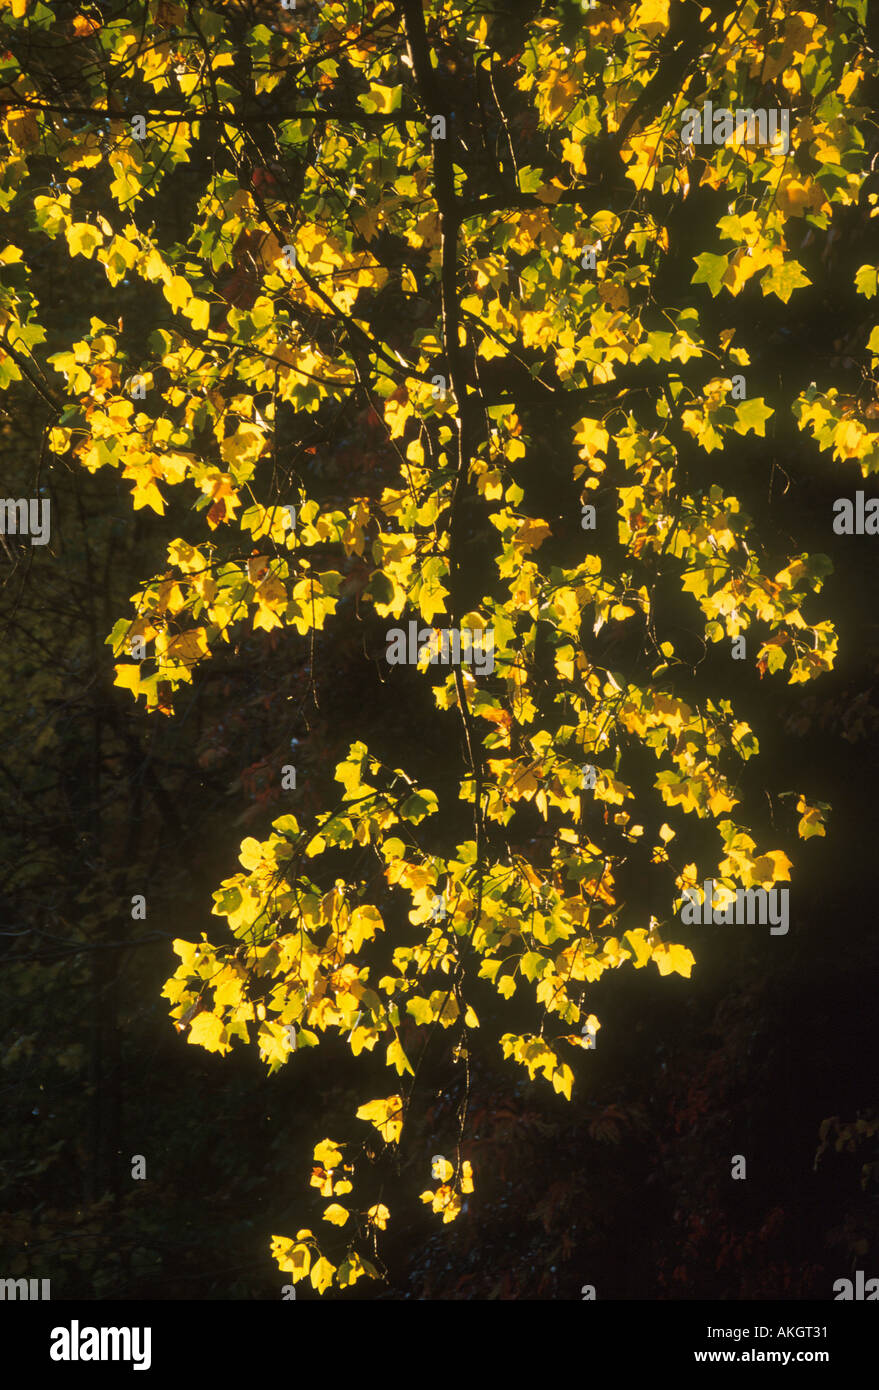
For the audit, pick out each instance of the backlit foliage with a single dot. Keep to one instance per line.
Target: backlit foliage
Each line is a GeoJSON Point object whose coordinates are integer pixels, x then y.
{"type": "Point", "coordinates": [321, 191]}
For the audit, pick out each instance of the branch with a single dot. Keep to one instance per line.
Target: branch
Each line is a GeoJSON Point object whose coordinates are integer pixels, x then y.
{"type": "Point", "coordinates": [24, 366]}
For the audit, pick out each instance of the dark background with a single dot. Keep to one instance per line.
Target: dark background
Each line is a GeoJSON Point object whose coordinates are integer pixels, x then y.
{"type": "Point", "coordinates": [768, 1049]}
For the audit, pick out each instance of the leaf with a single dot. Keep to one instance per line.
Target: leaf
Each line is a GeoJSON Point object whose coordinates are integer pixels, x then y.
{"type": "Point", "coordinates": [783, 280]}
{"type": "Point", "coordinates": [752, 415]}
{"type": "Point", "coordinates": [244, 446]}
{"type": "Point", "coordinates": [710, 271]}
{"type": "Point", "coordinates": [398, 1059]}
{"type": "Point", "coordinates": [418, 807]}
{"type": "Point", "coordinates": [638, 942]}
{"type": "Point", "coordinates": [383, 99]}
{"type": "Point", "coordinates": [379, 1216]}
{"type": "Point", "coordinates": [386, 1115]}
{"type": "Point", "coordinates": [335, 1213]}
{"type": "Point", "coordinates": [592, 438]}
{"type": "Point", "coordinates": [531, 534]}
{"type": "Point", "coordinates": [198, 311]}
{"type": "Point", "coordinates": [292, 1258]}
{"type": "Point", "coordinates": [674, 959]}
{"type": "Point", "coordinates": [327, 1154]}
{"type": "Point", "coordinates": [322, 1275]}
{"type": "Point", "coordinates": [651, 16]}
{"type": "Point", "coordinates": [420, 1009]}
{"type": "Point", "coordinates": [129, 678]}
{"type": "Point", "coordinates": [352, 1269]}
{"type": "Point", "coordinates": [811, 818]}
{"type": "Point", "coordinates": [178, 293]}
{"type": "Point", "coordinates": [206, 1030]}
{"type": "Point", "coordinates": [83, 239]}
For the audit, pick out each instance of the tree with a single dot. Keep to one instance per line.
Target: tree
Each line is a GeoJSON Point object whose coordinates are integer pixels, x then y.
{"type": "Point", "coordinates": [542, 262]}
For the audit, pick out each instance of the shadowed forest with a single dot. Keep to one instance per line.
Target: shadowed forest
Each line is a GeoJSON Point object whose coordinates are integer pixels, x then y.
{"type": "Point", "coordinates": [244, 267]}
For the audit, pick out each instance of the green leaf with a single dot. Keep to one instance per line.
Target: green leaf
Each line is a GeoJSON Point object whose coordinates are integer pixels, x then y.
{"type": "Point", "coordinates": [784, 279]}
{"type": "Point", "coordinates": [710, 272]}
{"type": "Point", "coordinates": [418, 806]}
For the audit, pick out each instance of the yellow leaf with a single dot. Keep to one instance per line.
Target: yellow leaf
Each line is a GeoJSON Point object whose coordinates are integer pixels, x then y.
{"type": "Point", "coordinates": [154, 267]}
{"type": "Point", "coordinates": [322, 1274]}
{"type": "Point", "coordinates": [638, 942]}
{"type": "Point", "coordinates": [244, 446]}
{"type": "Point", "coordinates": [365, 921]}
{"type": "Point", "coordinates": [441, 1169]}
{"type": "Point", "coordinates": [186, 647]}
{"type": "Point", "coordinates": [563, 1080]}
{"type": "Point", "coordinates": [720, 801]}
{"type": "Point", "coordinates": [848, 438]}
{"type": "Point", "coordinates": [397, 411]}
{"type": "Point", "coordinates": [651, 16]}
{"type": "Point", "coordinates": [489, 348]}
{"type": "Point", "coordinates": [178, 292]}
{"type": "Point", "coordinates": [384, 99]}
{"type": "Point", "coordinates": [795, 198]}
{"type": "Point", "coordinates": [386, 1115]}
{"type": "Point", "coordinates": [206, 1031]}
{"type": "Point", "coordinates": [198, 311]}
{"type": "Point", "coordinates": [321, 1179]}
{"type": "Point", "coordinates": [812, 820]}
{"type": "Point", "coordinates": [338, 1215]}
{"type": "Point", "coordinates": [769, 868]}
{"type": "Point", "coordinates": [83, 239]}
{"type": "Point", "coordinates": [531, 534]}
{"type": "Point", "coordinates": [291, 1258]}
{"type": "Point", "coordinates": [326, 1153]}
{"type": "Point", "coordinates": [129, 678]}
{"type": "Point", "coordinates": [675, 959]}
{"type": "Point", "coordinates": [146, 494]}
{"type": "Point", "coordinates": [397, 1058]}
{"type": "Point", "coordinates": [558, 93]}
{"type": "Point", "coordinates": [591, 438]}
{"type": "Point", "coordinates": [379, 1215]}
